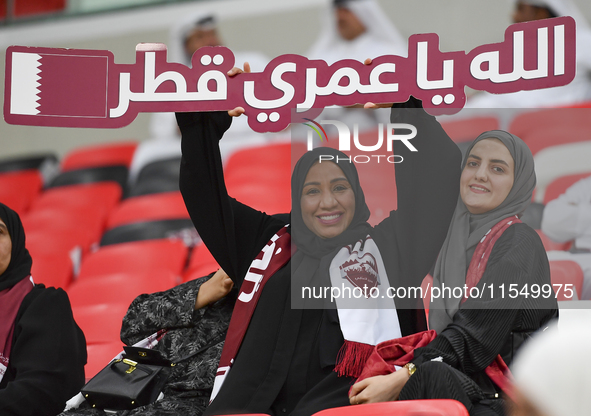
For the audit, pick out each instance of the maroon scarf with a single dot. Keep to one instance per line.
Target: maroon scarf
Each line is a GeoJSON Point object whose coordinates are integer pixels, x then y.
{"type": "Point", "coordinates": [275, 255]}
{"type": "Point", "coordinates": [10, 302]}
{"type": "Point", "coordinates": [15, 283]}
{"type": "Point", "coordinates": [497, 371]}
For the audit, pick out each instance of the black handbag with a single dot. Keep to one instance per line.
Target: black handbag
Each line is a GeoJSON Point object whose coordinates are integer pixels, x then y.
{"type": "Point", "coordinates": [134, 380]}
{"type": "Point", "coordinates": [126, 384]}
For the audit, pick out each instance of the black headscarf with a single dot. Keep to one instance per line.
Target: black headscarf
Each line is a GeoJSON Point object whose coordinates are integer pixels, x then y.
{"type": "Point", "coordinates": [305, 240]}
{"type": "Point", "coordinates": [314, 254]}
{"type": "Point", "coordinates": [20, 261]}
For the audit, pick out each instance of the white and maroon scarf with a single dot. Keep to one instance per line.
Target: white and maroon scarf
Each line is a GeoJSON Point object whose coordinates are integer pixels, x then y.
{"type": "Point", "coordinates": [368, 319]}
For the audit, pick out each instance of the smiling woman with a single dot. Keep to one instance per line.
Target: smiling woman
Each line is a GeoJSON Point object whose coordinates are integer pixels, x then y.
{"type": "Point", "coordinates": [487, 177]}
{"type": "Point", "coordinates": [291, 355]}
{"type": "Point", "coordinates": [328, 201]}
{"type": "Point", "coordinates": [486, 249]}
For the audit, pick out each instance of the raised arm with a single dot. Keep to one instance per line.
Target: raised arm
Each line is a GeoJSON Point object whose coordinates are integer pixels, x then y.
{"type": "Point", "coordinates": [233, 232]}
{"type": "Point", "coordinates": [427, 183]}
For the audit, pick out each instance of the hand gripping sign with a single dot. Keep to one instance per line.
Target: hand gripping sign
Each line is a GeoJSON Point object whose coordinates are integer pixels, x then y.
{"type": "Point", "coordinates": [86, 88]}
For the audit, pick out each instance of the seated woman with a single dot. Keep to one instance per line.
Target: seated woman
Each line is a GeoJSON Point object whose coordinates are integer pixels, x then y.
{"type": "Point", "coordinates": [196, 316]}
{"type": "Point", "coordinates": [487, 247]}
{"type": "Point", "coordinates": [280, 359]}
{"type": "Point", "coordinates": [42, 350]}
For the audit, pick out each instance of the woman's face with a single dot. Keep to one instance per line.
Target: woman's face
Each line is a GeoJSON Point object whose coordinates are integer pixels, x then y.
{"type": "Point", "coordinates": [5, 247]}
{"type": "Point", "coordinates": [327, 201]}
{"type": "Point", "coordinates": [487, 177]}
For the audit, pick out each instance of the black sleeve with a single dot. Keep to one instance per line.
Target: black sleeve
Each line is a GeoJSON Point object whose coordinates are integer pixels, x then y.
{"type": "Point", "coordinates": [427, 187]}
{"type": "Point", "coordinates": [47, 358]}
{"type": "Point", "coordinates": [171, 309]}
{"type": "Point", "coordinates": [482, 326]}
{"type": "Point", "coordinates": [233, 232]}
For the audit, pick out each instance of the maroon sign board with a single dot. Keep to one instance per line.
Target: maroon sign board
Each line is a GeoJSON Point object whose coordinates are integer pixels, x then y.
{"type": "Point", "coordinates": [86, 88]}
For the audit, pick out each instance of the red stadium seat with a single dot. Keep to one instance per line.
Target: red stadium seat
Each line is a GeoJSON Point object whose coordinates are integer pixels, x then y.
{"type": "Point", "coordinates": [253, 161]}
{"type": "Point", "coordinates": [65, 227]}
{"type": "Point", "coordinates": [161, 206]}
{"type": "Point", "coordinates": [562, 121]}
{"type": "Point", "coordinates": [260, 177]}
{"type": "Point", "coordinates": [434, 407]}
{"type": "Point", "coordinates": [550, 245]}
{"type": "Point", "coordinates": [18, 189]}
{"type": "Point", "coordinates": [52, 269]}
{"type": "Point", "coordinates": [558, 135]}
{"type": "Point", "coordinates": [119, 288]}
{"type": "Point", "coordinates": [99, 155]}
{"type": "Point", "coordinates": [559, 185]}
{"type": "Point", "coordinates": [33, 7]}
{"type": "Point", "coordinates": [566, 272]}
{"type": "Point", "coordinates": [201, 263]}
{"type": "Point", "coordinates": [470, 128]}
{"type": "Point", "coordinates": [100, 194]}
{"type": "Point", "coordinates": [135, 257]}
{"type": "Point", "coordinates": [101, 323]}
{"type": "Point", "coordinates": [99, 355]}
{"type": "Point", "coordinates": [271, 198]}
{"type": "Point", "coordinates": [198, 272]}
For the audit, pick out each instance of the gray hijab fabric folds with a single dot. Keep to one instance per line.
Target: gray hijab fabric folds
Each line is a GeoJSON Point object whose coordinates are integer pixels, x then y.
{"type": "Point", "coordinates": [466, 230]}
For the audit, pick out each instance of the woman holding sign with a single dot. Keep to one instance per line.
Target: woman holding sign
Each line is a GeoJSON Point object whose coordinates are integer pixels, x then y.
{"type": "Point", "coordinates": [283, 360]}
{"type": "Point", "coordinates": [502, 268]}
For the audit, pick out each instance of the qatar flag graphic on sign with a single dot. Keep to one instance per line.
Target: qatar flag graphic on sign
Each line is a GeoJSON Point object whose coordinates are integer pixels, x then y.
{"type": "Point", "coordinates": [59, 85]}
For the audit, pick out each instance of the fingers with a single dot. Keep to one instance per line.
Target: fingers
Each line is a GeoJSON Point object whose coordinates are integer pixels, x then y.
{"type": "Point", "coordinates": [374, 106]}
{"type": "Point", "coordinates": [234, 71]}
{"type": "Point", "coordinates": [357, 400]}
{"type": "Point", "coordinates": [357, 388]}
{"type": "Point", "coordinates": [238, 111]}
{"type": "Point", "coordinates": [368, 61]}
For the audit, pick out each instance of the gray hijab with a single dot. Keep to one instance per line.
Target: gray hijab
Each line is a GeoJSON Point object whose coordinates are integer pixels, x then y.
{"type": "Point", "coordinates": [466, 230]}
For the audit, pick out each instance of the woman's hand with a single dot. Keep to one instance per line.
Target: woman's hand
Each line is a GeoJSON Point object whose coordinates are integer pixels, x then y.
{"type": "Point", "coordinates": [238, 111]}
{"type": "Point", "coordinates": [379, 388]}
{"type": "Point", "coordinates": [214, 289]}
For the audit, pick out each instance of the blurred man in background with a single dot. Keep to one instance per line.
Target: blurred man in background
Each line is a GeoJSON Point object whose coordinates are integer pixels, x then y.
{"type": "Point", "coordinates": [577, 92]}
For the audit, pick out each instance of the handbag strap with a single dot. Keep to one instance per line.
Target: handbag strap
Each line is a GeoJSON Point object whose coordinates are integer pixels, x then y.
{"type": "Point", "coordinates": [215, 341]}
